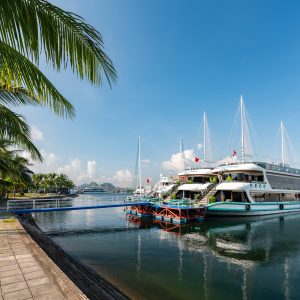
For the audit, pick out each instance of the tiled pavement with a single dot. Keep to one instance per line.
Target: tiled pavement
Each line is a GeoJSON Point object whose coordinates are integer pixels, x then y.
{"type": "Point", "coordinates": [26, 272]}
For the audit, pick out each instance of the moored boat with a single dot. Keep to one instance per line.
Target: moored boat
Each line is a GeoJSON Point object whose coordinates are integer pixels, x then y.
{"type": "Point", "coordinates": [256, 188]}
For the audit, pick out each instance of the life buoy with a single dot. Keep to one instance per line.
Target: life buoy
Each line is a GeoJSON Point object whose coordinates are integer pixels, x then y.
{"type": "Point", "coordinates": [248, 207]}
{"type": "Point", "coordinates": [281, 206]}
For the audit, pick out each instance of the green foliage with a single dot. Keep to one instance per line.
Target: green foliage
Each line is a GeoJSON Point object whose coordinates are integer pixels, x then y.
{"type": "Point", "coordinates": [177, 181]}
{"type": "Point", "coordinates": [228, 178]}
{"type": "Point", "coordinates": [173, 196]}
{"type": "Point", "coordinates": [198, 196]}
{"type": "Point", "coordinates": [213, 180]}
{"type": "Point", "coordinates": [30, 29]}
{"type": "Point", "coordinates": [211, 199]}
{"type": "Point", "coordinates": [189, 181]}
{"type": "Point", "coordinates": [52, 182]}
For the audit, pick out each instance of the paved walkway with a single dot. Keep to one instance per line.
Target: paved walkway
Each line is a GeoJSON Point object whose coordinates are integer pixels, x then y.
{"type": "Point", "coordinates": [26, 272]}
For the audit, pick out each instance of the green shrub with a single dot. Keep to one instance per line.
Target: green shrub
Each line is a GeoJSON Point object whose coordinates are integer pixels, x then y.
{"type": "Point", "coordinates": [211, 199]}
{"type": "Point", "coordinates": [177, 181]}
{"type": "Point", "coordinates": [228, 178]}
{"type": "Point", "coordinates": [198, 196]}
{"type": "Point", "coordinates": [213, 180]}
{"type": "Point", "coordinates": [173, 196]}
{"type": "Point", "coordinates": [189, 181]}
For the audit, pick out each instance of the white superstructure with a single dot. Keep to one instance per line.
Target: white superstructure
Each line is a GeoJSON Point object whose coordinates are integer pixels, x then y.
{"type": "Point", "coordinates": [256, 188]}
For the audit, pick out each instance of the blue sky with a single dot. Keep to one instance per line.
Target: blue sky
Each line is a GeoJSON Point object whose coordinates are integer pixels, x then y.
{"type": "Point", "coordinates": [175, 60]}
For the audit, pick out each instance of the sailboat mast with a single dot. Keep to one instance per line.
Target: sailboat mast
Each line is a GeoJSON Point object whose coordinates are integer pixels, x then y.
{"type": "Point", "coordinates": [282, 142]}
{"type": "Point", "coordinates": [182, 152]}
{"type": "Point", "coordinates": [140, 169]}
{"type": "Point", "coordinates": [204, 136]}
{"type": "Point", "coordinates": [242, 129]}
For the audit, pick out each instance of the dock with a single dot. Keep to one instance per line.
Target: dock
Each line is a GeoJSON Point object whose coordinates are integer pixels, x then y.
{"type": "Point", "coordinates": [26, 272]}
{"type": "Point", "coordinates": [177, 214]}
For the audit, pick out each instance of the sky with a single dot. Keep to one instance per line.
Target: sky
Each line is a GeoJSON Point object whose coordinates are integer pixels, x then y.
{"type": "Point", "coordinates": [175, 60]}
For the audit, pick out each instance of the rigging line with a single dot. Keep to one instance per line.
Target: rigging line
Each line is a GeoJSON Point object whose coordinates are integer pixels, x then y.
{"type": "Point", "coordinates": [251, 131]}
{"type": "Point", "coordinates": [274, 145]}
{"type": "Point", "coordinates": [199, 133]}
{"type": "Point", "coordinates": [232, 131]}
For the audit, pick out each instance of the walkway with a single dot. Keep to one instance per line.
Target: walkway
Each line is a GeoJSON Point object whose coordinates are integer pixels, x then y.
{"type": "Point", "coordinates": [26, 272]}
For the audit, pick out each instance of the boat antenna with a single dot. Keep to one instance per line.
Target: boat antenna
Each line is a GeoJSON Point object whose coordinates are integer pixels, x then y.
{"type": "Point", "coordinates": [204, 136]}
{"type": "Point", "coordinates": [282, 142]}
{"type": "Point", "coordinates": [139, 164]}
{"type": "Point", "coordinates": [242, 129]}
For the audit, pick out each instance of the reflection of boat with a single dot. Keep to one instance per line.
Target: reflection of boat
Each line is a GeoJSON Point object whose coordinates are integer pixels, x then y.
{"type": "Point", "coordinates": [244, 242]}
{"type": "Point", "coordinates": [241, 254]}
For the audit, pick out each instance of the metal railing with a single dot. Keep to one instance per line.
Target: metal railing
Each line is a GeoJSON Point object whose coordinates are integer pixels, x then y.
{"type": "Point", "coordinates": [32, 204]}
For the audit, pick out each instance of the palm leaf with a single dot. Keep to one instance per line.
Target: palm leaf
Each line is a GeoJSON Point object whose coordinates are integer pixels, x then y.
{"type": "Point", "coordinates": [16, 131]}
{"type": "Point", "coordinates": [21, 82]}
{"type": "Point", "coordinates": [32, 25]}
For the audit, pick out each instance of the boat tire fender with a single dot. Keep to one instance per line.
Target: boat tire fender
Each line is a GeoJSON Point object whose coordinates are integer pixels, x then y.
{"type": "Point", "coordinates": [281, 206]}
{"type": "Point", "coordinates": [248, 207]}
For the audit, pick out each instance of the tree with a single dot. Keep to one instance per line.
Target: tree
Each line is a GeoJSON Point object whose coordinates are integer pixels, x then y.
{"type": "Point", "coordinates": [29, 29]}
{"type": "Point", "coordinates": [14, 171]}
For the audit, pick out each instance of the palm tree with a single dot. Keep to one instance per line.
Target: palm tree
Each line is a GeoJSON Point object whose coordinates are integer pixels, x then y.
{"type": "Point", "coordinates": [14, 171]}
{"type": "Point", "coordinates": [37, 180]}
{"type": "Point", "coordinates": [29, 29]}
{"type": "Point", "coordinates": [51, 180]}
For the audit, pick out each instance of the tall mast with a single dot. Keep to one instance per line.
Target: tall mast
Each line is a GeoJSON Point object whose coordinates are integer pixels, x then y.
{"type": "Point", "coordinates": [282, 142]}
{"type": "Point", "coordinates": [182, 152]}
{"type": "Point", "coordinates": [242, 129]}
{"type": "Point", "coordinates": [139, 163]}
{"type": "Point", "coordinates": [204, 136]}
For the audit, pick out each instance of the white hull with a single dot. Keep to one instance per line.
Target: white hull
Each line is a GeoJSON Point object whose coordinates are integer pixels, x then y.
{"type": "Point", "coordinates": [251, 209]}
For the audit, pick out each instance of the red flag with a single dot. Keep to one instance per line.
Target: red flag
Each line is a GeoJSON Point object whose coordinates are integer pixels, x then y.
{"type": "Point", "coordinates": [234, 153]}
{"type": "Point", "coordinates": [197, 159]}
{"type": "Point", "coordinates": [148, 180]}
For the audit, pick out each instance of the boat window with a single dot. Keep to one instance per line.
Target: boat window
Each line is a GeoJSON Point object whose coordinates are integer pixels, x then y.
{"type": "Point", "coordinates": [244, 177]}
{"type": "Point", "coordinates": [284, 182]}
{"type": "Point", "coordinates": [274, 197]}
{"type": "Point", "coordinates": [230, 196]}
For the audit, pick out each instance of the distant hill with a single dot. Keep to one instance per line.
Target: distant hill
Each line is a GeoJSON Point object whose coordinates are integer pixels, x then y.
{"type": "Point", "coordinates": [106, 186]}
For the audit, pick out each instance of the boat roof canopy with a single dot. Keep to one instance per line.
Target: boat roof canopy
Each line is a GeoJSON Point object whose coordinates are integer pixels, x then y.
{"type": "Point", "coordinates": [194, 187]}
{"type": "Point", "coordinates": [204, 171]}
{"type": "Point", "coordinates": [238, 167]}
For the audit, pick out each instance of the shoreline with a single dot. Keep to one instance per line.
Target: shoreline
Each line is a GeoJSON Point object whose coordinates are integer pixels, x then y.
{"type": "Point", "coordinates": [87, 280]}
{"type": "Point", "coordinates": [44, 197]}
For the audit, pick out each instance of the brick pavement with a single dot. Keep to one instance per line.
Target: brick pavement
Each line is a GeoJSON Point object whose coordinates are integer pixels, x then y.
{"type": "Point", "coordinates": [26, 272]}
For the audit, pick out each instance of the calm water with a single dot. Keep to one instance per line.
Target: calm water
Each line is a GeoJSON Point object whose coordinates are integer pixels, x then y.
{"type": "Point", "coordinates": [245, 259]}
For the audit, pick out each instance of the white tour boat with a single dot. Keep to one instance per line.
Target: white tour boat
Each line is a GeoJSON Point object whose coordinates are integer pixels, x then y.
{"type": "Point", "coordinates": [256, 188]}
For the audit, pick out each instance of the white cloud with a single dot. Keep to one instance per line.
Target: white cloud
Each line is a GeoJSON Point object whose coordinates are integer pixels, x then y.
{"type": "Point", "coordinates": [91, 168]}
{"type": "Point", "coordinates": [36, 134]}
{"type": "Point", "coordinates": [123, 178]}
{"type": "Point", "coordinates": [78, 171]}
{"type": "Point", "coordinates": [177, 162]}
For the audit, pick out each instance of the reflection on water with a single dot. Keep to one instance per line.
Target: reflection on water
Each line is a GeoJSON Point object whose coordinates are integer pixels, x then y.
{"type": "Point", "coordinates": [237, 259]}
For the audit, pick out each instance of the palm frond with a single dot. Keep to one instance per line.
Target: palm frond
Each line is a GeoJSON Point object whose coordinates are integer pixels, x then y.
{"type": "Point", "coordinates": [32, 25]}
{"type": "Point", "coordinates": [22, 82]}
{"type": "Point", "coordinates": [15, 131]}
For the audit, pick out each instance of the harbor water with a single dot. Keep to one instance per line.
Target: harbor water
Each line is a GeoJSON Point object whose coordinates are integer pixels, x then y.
{"type": "Point", "coordinates": [257, 258]}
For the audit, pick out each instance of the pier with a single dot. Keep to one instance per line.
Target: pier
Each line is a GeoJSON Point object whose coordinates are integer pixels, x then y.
{"type": "Point", "coordinates": [177, 214]}
{"type": "Point", "coordinates": [26, 272]}
{"type": "Point", "coordinates": [146, 208]}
